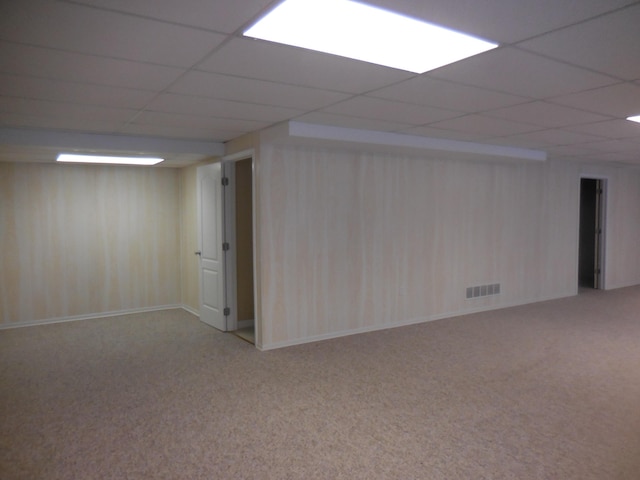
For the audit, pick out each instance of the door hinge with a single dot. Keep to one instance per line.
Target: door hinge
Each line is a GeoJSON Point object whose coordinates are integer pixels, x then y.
{"type": "Point", "coordinates": [225, 246]}
{"type": "Point", "coordinates": [226, 312]}
{"type": "Point", "coordinates": [225, 181]}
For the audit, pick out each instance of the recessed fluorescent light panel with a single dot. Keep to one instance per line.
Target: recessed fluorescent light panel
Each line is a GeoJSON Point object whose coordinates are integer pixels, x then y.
{"type": "Point", "coordinates": [363, 32]}
{"type": "Point", "coordinates": [634, 119]}
{"type": "Point", "coordinates": [69, 157]}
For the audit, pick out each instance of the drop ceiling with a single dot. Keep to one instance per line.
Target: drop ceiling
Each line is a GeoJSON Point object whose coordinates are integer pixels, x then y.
{"type": "Point", "coordinates": [565, 77]}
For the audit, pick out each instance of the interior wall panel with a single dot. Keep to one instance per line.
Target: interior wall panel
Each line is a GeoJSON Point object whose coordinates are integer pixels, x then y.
{"type": "Point", "coordinates": [83, 240]}
{"type": "Point", "coordinates": [351, 241]}
{"type": "Point", "coordinates": [622, 267]}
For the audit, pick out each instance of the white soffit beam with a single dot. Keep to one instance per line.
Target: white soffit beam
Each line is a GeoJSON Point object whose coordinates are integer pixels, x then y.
{"type": "Point", "coordinates": [307, 133]}
{"type": "Point", "coordinates": [95, 141]}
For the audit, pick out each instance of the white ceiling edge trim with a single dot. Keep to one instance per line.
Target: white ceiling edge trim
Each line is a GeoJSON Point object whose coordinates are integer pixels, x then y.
{"type": "Point", "coordinates": [96, 141]}
{"type": "Point", "coordinates": [308, 133]}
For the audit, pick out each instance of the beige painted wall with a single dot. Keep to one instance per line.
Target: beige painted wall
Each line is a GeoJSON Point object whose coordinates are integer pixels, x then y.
{"type": "Point", "coordinates": [84, 240]}
{"type": "Point", "coordinates": [352, 242]}
{"type": "Point", "coordinates": [346, 242]}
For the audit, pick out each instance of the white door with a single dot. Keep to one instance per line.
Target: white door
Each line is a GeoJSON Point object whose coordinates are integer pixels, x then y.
{"type": "Point", "coordinates": [212, 261]}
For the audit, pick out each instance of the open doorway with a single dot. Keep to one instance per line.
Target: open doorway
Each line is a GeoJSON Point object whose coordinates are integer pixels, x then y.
{"type": "Point", "coordinates": [243, 196]}
{"type": "Point", "coordinates": [591, 243]}
{"type": "Point", "coordinates": [226, 246]}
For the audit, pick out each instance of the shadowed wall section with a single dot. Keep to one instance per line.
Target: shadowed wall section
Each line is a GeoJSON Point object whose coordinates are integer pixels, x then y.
{"type": "Point", "coordinates": [244, 239]}
{"type": "Point", "coordinates": [84, 240]}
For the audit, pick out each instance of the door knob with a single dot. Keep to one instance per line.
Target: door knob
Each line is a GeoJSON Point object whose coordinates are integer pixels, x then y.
{"type": "Point", "coordinates": [199, 253]}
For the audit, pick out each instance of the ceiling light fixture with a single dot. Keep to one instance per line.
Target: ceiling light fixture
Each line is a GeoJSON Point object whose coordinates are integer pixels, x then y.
{"type": "Point", "coordinates": [71, 157]}
{"type": "Point", "coordinates": [363, 32]}
{"type": "Point", "coordinates": [635, 118]}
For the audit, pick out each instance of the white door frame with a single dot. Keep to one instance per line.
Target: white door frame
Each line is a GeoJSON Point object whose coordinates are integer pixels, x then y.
{"type": "Point", "coordinates": [228, 163]}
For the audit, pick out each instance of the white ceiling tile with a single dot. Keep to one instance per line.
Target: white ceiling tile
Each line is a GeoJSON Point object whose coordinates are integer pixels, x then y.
{"type": "Point", "coordinates": [72, 92]}
{"type": "Point", "coordinates": [612, 157]}
{"type": "Point", "coordinates": [551, 137]}
{"type": "Point", "coordinates": [226, 87]}
{"type": "Point", "coordinates": [443, 94]}
{"type": "Point", "coordinates": [296, 66]}
{"type": "Point", "coordinates": [184, 83]}
{"type": "Point", "coordinates": [43, 108]}
{"type": "Point", "coordinates": [220, 15]}
{"type": "Point", "coordinates": [520, 73]}
{"type": "Point", "coordinates": [608, 44]}
{"type": "Point", "coordinates": [481, 125]}
{"type": "Point", "coordinates": [389, 111]}
{"type": "Point", "coordinates": [81, 29]}
{"type": "Point", "coordinates": [502, 20]}
{"type": "Point", "coordinates": [197, 122]}
{"type": "Point", "coordinates": [14, 153]}
{"type": "Point", "coordinates": [30, 120]}
{"type": "Point", "coordinates": [323, 118]}
{"type": "Point", "coordinates": [177, 131]}
{"type": "Point", "coordinates": [76, 67]}
{"type": "Point", "coordinates": [186, 104]}
{"type": "Point", "coordinates": [545, 114]}
{"type": "Point", "coordinates": [568, 151]}
{"type": "Point", "coordinates": [624, 146]}
{"type": "Point", "coordinates": [621, 100]}
{"type": "Point", "coordinates": [610, 129]}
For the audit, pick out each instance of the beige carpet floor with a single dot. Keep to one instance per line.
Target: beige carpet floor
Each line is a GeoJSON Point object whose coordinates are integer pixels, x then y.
{"type": "Point", "coordinates": [545, 391]}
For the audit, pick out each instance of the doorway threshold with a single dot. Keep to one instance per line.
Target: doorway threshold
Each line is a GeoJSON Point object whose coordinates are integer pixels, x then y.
{"type": "Point", "coordinates": [247, 334]}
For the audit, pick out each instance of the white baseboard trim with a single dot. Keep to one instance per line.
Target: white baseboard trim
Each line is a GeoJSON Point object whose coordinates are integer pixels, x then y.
{"type": "Point", "coordinates": [192, 311]}
{"type": "Point", "coordinates": [406, 323]}
{"type": "Point", "coordinates": [245, 324]}
{"type": "Point", "coordinates": [93, 316]}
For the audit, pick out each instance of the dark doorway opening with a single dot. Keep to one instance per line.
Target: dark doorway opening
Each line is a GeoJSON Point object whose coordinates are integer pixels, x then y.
{"type": "Point", "coordinates": [244, 250]}
{"type": "Point", "coordinates": [590, 265]}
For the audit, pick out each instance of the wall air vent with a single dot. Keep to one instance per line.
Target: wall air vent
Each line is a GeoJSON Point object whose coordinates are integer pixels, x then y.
{"type": "Point", "coordinates": [483, 290]}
